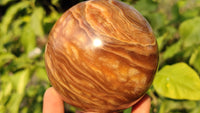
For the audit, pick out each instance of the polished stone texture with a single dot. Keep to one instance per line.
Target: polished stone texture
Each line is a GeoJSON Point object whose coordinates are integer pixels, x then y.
{"type": "Point", "coordinates": [101, 56]}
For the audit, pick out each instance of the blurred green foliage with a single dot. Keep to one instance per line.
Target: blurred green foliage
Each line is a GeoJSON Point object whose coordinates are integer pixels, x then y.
{"type": "Point", "coordinates": [24, 27]}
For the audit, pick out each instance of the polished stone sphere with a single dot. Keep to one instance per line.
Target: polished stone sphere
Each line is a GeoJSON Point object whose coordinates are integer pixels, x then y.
{"type": "Point", "coordinates": [101, 56]}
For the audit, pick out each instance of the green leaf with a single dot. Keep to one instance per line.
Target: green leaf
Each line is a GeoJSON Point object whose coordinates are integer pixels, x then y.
{"type": "Point", "coordinates": [172, 50]}
{"type": "Point", "coordinates": [17, 25]}
{"type": "Point", "coordinates": [5, 58]}
{"type": "Point", "coordinates": [10, 14]}
{"type": "Point", "coordinates": [50, 20]}
{"type": "Point", "coordinates": [189, 32]}
{"type": "Point", "coordinates": [166, 37]}
{"type": "Point", "coordinates": [160, 41]}
{"type": "Point", "coordinates": [14, 103]}
{"type": "Point", "coordinates": [24, 78]}
{"type": "Point", "coordinates": [197, 109]}
{"type": "Point", "coordinates": [6, 88]}
{"type": "Point", "coordinates": [128, 110]}
{"type": "Point", "coordinates": [32, 91]}
{"type": "Point", "coordinates": [169, 8]}
{"type": "Point", "coordinates": [191, 13]}
{"type": "Point", "coordinates": [2, 109]}
{"type": "Point", "coordinates": [24, 109]}
{"type": "Point", "coordinates": [28, 38]}
{"type": "Point", "coordinates": [195, 59]}
{"type": "Point", "coordinates": [168, 106]}
{"type": "Point", "coordinates": [157, 20]}
{"type": "Point", "coordinates": [41, 74]}
{"type": "Point", "coordinates": [4, 39]}
{"type": "Point", "coordinates": [4, 2]}
{"type": "Point", "coordinates": [55, 2]}
{"type": "Point", "coordinates": [188, 8]}
{"type": "Point", "coordinates": [37, 108]}
{"type": "Point", "coordinates": [178, 81]}
{"type": "Point", "coordinates": [36, 21]}
{"type": "Point", "coordinates": [21, 62]}
{"type": "Point", "coordinates": [13, 90]}
{"type": "Point", "coordinates": [20, 80]}
{"type": "Point", "coordinates": [145, 6]}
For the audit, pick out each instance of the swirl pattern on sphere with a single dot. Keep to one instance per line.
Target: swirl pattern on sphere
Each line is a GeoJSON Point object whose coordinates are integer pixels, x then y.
{"type": "Point", "coordinates": [101, 55]}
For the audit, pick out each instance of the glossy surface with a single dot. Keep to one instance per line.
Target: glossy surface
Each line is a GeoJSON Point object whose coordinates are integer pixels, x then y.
{"type": "Point", "coordinates": [101, 56]}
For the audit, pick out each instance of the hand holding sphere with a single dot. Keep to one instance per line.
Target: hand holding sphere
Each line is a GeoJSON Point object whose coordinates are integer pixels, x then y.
{"type": "Point", "coordinates": [101, 56]}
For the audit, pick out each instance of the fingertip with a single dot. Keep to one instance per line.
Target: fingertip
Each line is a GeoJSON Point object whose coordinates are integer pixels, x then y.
{"type": "Point", "coordinates": [52, 102]}
{"type": "Point", "coordinates": [48, 92]}
{"type": "Point", "coordinates": [143, 106]}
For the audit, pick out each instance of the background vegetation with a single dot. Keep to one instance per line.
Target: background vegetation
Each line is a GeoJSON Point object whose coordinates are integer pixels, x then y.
{"type": "Point", "coordinates": [24, 27]}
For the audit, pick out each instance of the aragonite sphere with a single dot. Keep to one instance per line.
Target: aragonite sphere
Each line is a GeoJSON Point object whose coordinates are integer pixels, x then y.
{"type": "Point", "coordinates": [101, 56]}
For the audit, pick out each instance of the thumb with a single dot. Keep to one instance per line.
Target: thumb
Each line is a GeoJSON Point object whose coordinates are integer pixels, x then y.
{"type": "Point", "coordinates": [52, 103]}
{"type": "Point", "coordinates": [143, 106]}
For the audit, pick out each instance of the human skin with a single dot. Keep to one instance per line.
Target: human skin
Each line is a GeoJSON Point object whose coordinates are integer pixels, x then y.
{"type": "Point", "coordinates": [53, 103]}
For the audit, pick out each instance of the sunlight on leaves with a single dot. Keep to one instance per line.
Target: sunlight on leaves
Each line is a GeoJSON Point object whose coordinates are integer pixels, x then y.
{"type": "Point", "coordinates": [195, 59]}
{"type": "Point", "coordinates": [189, 32]}
{"type": "Point", "coordinates": [178, 81]}
{"type": "Point", "coordinates": [36, 21]}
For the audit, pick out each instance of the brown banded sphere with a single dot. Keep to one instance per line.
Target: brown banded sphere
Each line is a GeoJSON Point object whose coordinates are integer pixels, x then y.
{"type": "Point", "coordinates": [101, 56]}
